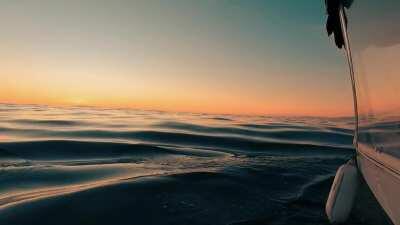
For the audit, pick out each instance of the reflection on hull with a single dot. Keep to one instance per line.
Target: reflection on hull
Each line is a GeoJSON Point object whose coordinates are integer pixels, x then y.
{"type": "Point", "coordinates": [384, 181]}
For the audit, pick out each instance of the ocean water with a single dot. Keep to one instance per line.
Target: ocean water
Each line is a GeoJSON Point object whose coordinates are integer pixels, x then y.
{"type": "Point", "coordinates": [83, 165]}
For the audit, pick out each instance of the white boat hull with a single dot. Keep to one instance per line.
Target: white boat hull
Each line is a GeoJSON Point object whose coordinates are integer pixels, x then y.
{"type": "Point", "coordinates": [371, 38]}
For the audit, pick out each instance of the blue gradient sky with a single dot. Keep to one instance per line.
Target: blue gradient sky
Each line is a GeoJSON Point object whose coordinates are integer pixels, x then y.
{"type": "Point", "coordinates": [226, 56]}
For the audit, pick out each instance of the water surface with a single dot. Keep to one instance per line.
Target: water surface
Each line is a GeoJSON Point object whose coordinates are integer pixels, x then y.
{"type": "Point", "coordinates": [83, 165]}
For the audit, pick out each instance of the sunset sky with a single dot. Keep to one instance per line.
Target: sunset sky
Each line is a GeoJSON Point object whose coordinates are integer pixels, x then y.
{"type": "Point", "coordinates": [213, 56]}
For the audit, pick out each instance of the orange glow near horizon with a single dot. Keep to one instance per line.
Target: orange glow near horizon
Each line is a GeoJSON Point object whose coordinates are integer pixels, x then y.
{"type": "Point", "coordinates": [178, 93]}
{"type": "Point", "coordinates": [220, 105]}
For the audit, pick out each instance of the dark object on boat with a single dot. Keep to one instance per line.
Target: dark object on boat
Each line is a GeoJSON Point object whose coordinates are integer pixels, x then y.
{"type": "Point", "coordinates": [333, 22]}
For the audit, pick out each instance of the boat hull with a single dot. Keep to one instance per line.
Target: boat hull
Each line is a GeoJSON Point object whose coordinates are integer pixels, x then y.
{"type": "Point", "coordinates": [372, 44]}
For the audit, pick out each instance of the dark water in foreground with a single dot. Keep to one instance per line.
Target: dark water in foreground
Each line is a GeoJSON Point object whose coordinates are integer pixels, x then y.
{"type": "Point", "coordinates": [102, 166]}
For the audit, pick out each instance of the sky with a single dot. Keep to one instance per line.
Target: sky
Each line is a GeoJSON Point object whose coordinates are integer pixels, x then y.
{"type": "Point", "coordinates": [265, 57]}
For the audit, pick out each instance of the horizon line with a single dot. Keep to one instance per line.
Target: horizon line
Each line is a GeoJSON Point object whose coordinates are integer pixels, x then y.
{"type": "Point", "coordinates": [170, 111]}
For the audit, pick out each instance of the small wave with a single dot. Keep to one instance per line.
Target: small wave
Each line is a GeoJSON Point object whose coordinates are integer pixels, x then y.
{"type": "Point", "coordinates": [327, 137]}
{"type": "Point", "coordinates": [62, 150]}
{"type": "Point", "coordinates": [270, 126]}
{"type": "Point", "coordinates": [221, 118]}
{"type": "Point", "coordinates": [315, 192]}
{"type": "Point", "coordinates": [49, 122]}
{"type": "Point", "coordinates": [79, 150]}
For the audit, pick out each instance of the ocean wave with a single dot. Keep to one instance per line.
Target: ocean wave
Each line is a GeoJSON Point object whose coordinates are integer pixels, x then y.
{"type": "Point", "coordinates": [188, 139]}
{"type": "Point", "coordinates": [48, 122]}
{"type": "Point", "coordinates": [67, 150]}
